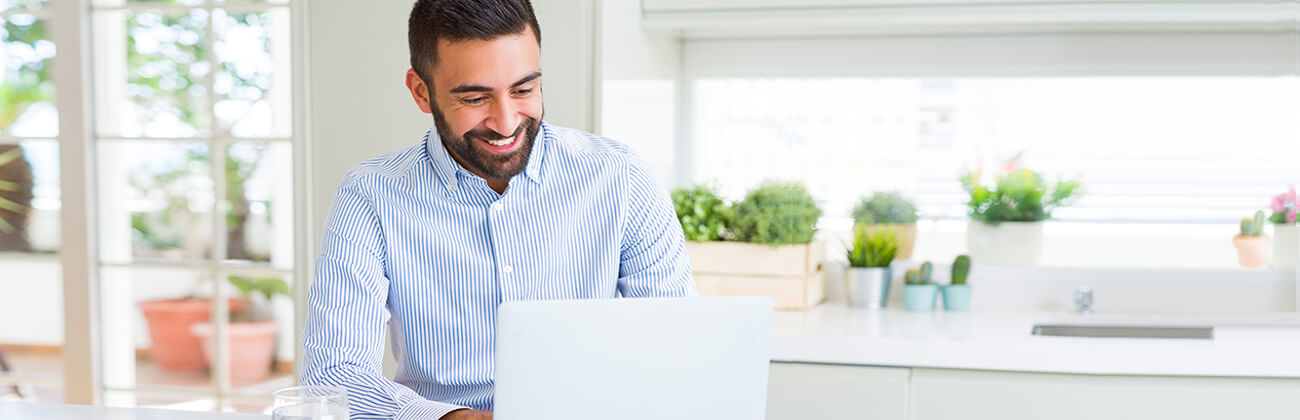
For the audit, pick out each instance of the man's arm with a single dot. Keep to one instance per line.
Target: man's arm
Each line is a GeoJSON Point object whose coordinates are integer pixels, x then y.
{"type": "Point", "coordinates": [347, 309]}
{"type": "Point", "coordinates": [653, 261]}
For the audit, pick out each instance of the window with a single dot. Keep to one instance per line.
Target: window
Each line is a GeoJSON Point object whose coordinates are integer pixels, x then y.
{"type": "Point", "coordinates": [29, 204]}
{"type": "Point", "coordinates": [1176, 135]}
{"type": "Point", "coordinates": [195, 204]}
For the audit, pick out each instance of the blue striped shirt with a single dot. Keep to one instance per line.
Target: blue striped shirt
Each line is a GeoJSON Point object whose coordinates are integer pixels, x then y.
{"type": "Point", "coordinates": [415, 241]}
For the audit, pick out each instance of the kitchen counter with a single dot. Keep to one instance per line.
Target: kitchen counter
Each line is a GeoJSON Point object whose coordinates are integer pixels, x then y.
{"type": "Point", "coordinates": [40, 411]}
{"type": "Point", "coordinates": [1264, 345]}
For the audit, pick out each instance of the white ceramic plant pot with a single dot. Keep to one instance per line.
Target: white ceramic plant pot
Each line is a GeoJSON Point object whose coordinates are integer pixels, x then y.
{"type": "Point", "coordinates": [1005, 243]}
{"type": "Point", "coordinates": [1286, 246]}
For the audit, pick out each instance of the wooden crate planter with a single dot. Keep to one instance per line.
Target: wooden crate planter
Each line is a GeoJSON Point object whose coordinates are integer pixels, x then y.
{"type": "Point", "coordinates": [792, 275]}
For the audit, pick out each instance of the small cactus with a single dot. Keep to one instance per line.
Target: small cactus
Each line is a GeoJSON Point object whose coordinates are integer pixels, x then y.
{"type": "Point", "coordinates": [913, 277]}
{"type": "Point", "coordinates": [1253, 226]}
{"type": "Point", "coordinates": [960, 269]}
{"type": "Point", "coordinates": [919, 276]}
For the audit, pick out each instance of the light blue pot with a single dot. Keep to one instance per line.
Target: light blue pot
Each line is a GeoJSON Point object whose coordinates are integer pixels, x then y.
{"type": "Point", "coordinates": [920, 298]}
{"type": "Point", "coordinates": [956, 298]}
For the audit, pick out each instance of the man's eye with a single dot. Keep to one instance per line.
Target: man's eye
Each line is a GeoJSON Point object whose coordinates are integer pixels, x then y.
{"type": "Point", "coordinates": [474, 101]}
{"type": "Point", "coordinates": [522, 92]}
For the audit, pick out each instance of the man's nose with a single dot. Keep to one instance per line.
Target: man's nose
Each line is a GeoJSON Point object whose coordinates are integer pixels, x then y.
{"type": "Point", "coordinates": [505, 118]}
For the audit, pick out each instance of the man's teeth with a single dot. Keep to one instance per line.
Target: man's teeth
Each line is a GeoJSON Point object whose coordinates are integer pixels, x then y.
{"type": "Point", "coordinates": [502, 142]}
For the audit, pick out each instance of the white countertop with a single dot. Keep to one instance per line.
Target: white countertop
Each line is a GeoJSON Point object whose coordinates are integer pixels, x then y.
{"type": "Point", "coordinates": [40, 411]}
{"type": "Point", "coordinates": [1266, 345]}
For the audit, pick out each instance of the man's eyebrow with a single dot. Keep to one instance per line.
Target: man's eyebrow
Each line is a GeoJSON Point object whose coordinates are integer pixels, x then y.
{"type": "Point", "coordinates": [528, 78]}
{"type": "Point", "coordinates": [478, 88]}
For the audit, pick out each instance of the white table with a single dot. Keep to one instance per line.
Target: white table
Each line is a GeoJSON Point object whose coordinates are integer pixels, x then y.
{"type": "Point", "coordinates": [39, 411]}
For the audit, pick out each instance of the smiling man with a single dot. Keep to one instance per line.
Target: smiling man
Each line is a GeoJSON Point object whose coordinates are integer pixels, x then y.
{"type": "Point", "coordinates": [492, 205]}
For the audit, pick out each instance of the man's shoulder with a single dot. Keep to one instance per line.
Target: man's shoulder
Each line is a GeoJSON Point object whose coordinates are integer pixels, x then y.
{"type": "Point", "coordinates": [584, 146]}
{"type": "Point", "coordinates": [395, 164]}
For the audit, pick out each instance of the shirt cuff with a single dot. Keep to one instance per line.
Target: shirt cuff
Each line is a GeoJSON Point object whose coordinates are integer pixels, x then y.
{"type": "Point", "coordinates": [426, 410]}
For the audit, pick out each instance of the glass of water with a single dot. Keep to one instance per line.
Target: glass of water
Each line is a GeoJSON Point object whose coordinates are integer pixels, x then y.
{"type": "Point", "coordinates": [310, 403]}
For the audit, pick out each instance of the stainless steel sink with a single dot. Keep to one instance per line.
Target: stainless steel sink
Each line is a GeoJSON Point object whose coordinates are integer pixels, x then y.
{"type": "Point", "coordinates": [1125, 331]}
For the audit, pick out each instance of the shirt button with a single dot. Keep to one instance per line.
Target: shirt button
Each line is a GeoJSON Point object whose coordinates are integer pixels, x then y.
{"type": "Point", "coordinates": [497, 207]}
{"type": "Point", "coordinates": [507, 269]}
{"type": "Point", "coordinates": [450, 187]}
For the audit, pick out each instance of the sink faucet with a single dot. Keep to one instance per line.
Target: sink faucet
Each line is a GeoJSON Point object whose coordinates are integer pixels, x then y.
{"type": "Point", "coordinates": [1083, 300]}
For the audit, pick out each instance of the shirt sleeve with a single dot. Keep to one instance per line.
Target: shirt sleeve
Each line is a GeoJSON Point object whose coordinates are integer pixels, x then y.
{"type": "Point", "coordinates": [653, 260]}
{"type": "Point", "coordinates": [347, 310]}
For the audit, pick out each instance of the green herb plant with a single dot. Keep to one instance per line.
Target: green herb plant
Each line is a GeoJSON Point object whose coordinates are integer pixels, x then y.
{"type": "Point", "coordinates": [704, 217]}
{"type": "Point", "coordinates": [1019, 196]}
{"type": "Point", "coordinates": [885, 208]}
{"type": "Point", "coordinates": [777, 213]}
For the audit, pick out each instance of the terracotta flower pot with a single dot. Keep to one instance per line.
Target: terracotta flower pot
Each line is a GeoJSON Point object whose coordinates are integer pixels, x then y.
{"type": "Point", "coordinates": [171, 344]}
{"type": "Point", "coordinates": [1252, 251]}
{"type": "Point", "coordinates": [251, 344]}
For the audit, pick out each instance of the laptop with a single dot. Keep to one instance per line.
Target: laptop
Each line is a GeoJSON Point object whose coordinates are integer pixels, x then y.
{"type": "Point", "coordinates": [633, 359]}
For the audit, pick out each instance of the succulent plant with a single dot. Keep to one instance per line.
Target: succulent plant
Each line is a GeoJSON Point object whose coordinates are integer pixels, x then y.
{"type": "Point", "coordinates": [919, 276]}
{"type": "Point", "coordinates": [960, 269]}
{"type": "Point", "coordinates": [872, 249]}
{"type": "Point", "coordinates": [1253, 226]}
{"type": "Point", "coordinates": [885, 208]}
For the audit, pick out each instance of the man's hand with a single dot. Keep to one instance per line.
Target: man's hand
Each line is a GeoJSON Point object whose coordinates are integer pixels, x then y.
{"type": "Point", "coordinates": [467, 414]}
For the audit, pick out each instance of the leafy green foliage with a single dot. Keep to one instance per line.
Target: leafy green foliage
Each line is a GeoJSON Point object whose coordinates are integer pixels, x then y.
{"type": "Point", "coordinates": [1020, 196]}
{"type": "Point", "coordinates": [268, 287]}
{"type": "Point", "coordinates": [1253, 226]}
{"type": "Point", "coordinates": [704, 216]}
{"type": "Point", "coordinates": [872, 249]}
{"type": "Point", "coordinates": [960, 269]}
{"type": "Point", "coordinates": [885, 208]}
{"type": "Point", "coordinates": [24, 80]}
{"type": "Point", "coordinates": [777, 213]}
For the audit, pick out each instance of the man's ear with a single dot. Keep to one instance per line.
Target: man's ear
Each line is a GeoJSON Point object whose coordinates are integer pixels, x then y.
{"type": "Point", "coordinates": [419, 91]}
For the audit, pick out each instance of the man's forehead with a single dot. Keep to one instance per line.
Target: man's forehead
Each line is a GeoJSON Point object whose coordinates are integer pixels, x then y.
{"type": "Point", "coordinates": [499, 62]}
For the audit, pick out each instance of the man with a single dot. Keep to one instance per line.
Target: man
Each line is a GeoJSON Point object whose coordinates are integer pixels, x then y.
{"type": "Point", "coordinates": [493, 205]}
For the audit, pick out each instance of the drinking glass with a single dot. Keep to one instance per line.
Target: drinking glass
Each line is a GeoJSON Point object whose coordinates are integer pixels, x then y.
{"type": "Point", "coordinates": [310, 403]}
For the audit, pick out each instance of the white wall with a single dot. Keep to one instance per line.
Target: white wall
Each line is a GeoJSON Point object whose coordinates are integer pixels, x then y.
{"type": "Point", "coordinates": [359, 105]}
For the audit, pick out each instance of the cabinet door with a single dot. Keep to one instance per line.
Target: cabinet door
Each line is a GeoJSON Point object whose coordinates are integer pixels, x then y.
{"type": "Point", "coordinates": [798, 391]}
{"type": "Point", "coordinates": [981, 395]}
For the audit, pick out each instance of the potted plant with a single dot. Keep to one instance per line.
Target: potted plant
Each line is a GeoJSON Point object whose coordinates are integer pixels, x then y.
{"type": "Point", "coordinates": [1007, 217]}
{"type": "Point", "coordinates": [956, 295]}
{"type": "Point", "coordinates": [889, 211]}
{"type": "Point", "coordinates": [868, 276]}
{"type": "Point", "coordinates": [764, 244]}
{"type": "Point", "coordinates": [171, 345]}
{"type": "Point", "coordinates": [918, 292]}
{"type": "Point", "coordinates": [1251, 243]}
{"type": "Point", "coordinates": [703, 216]}
{"type": "Point", "coordinates": [1286, 234]}
{"type": "Point", "coordinates": [251, 332]}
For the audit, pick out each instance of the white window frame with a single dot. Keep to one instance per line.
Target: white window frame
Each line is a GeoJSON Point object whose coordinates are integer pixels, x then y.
{"type": "Point", "coordinates": [78, 256]}
{"type": "Point", "coordinates": [794, 42]}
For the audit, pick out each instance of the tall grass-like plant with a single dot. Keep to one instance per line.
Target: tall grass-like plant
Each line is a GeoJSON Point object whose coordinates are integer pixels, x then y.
{"type": "Point", "coordinates": [872, 249]}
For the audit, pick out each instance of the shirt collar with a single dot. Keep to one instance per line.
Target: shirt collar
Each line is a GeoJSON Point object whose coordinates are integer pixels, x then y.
{"type": "Point", "coordinates": [447, 168]}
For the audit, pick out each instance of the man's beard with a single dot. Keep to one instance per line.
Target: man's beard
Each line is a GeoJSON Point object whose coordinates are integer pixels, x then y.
{"type": "Point", "coordinates": [479, 160]}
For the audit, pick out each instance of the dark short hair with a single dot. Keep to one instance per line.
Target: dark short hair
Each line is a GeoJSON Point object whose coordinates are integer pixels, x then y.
{"type": "Point", "coordinates": [463, 20]}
